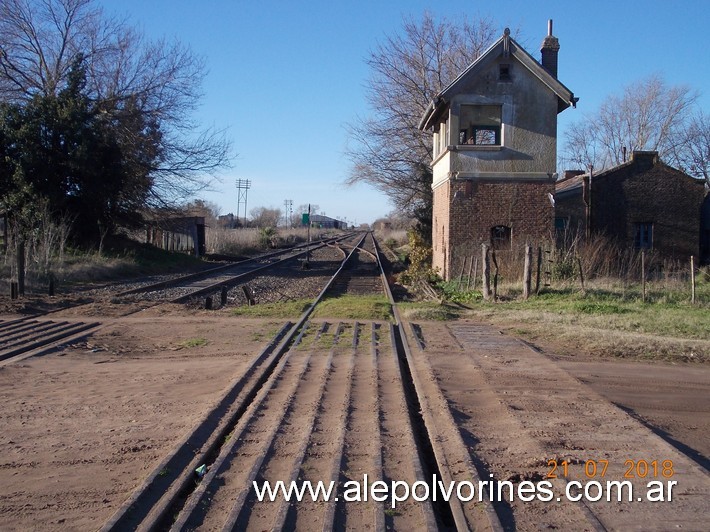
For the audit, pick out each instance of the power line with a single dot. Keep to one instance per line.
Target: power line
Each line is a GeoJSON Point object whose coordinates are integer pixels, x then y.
{"type": "Point", "coordinates": [243, 186]}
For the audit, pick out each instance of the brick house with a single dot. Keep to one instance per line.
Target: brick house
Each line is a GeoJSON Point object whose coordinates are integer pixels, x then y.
{"type": "Point", "coordinates": [642, 203]}
{"type": "Point", "coordinates": [495, 152]}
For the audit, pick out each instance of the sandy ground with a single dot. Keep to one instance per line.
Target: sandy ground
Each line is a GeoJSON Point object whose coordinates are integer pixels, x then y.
{"type": "Point", "coordinates": [517, 408]}
{"type": "Point", "coordinates": [82, 426]}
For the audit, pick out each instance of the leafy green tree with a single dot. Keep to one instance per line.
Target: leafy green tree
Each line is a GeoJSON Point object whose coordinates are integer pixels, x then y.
{"type": "Point", "coordinates": [64, 149]}
{"type": "Point", "coordinates": [126, 115]}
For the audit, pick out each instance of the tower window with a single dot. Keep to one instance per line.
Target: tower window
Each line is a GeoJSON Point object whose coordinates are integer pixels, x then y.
{"type": "Point", "coordinates": [504, 73]}
{"type": "Point", "coordinates": [480, 125]}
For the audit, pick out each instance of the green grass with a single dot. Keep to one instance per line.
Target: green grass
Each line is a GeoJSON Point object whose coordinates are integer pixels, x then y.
{"type": "Point", "coordinates": [607, 320]}
{"type": "Point", "coordinates": [346, 307]}
{"type": "Point", "coordinates": [600, 308]}
{"type": "Point", "coordinates": [373, 307]}
{"type": "Point", "coordinates": [429, 311]}
{"type": "Point", "coordinates": [192, 342]}
{"type": "Point", "coordinates": [285, 310]}
{"type": "Point", "coordinates": [606, 310]}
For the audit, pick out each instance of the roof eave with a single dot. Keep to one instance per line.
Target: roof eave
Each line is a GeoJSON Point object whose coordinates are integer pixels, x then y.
{"type": "Point", "coordinates": [565, 96]}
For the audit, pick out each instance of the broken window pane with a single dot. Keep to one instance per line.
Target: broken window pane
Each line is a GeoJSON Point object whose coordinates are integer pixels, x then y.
{"type": "Point", "coordinates": [480, 125]}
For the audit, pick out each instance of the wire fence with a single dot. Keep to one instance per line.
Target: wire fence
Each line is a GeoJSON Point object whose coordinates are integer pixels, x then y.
{"type": "Point", "coordinates": [596, 265]}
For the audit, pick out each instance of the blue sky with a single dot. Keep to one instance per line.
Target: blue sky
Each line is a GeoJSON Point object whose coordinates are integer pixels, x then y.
{"type": "Point", "coordinates": [286, 76]}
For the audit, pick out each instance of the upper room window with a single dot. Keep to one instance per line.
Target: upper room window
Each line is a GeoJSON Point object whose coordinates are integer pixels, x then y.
{"type": "Point", "coordinates": [479, 125]}
{"type": "Point", "coordinates": [504, 72]}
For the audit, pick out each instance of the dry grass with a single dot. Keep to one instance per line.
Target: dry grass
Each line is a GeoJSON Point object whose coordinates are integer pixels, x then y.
{"type": "Point", "coordinates": [245, 241]}
{"type": "Point", "coordinates": [392, 238]}
{"type": "Point", "coordinates": [598, 263]}
{"type": "Point", "coordinates": [608, 322]}
{"type": "Point", "coordinates": [605, 312]}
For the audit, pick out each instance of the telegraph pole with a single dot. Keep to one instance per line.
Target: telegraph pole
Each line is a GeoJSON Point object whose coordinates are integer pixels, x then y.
{"type": "Point", "coordinates": [307, 264]}
{"type": "Point", "coordinates": [243, 186]}
{"type": "Point", "coordinates": [288, 208]}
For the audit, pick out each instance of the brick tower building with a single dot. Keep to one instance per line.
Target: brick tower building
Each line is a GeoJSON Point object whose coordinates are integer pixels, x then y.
{"type": "Point", "coordinates": [495, 152]}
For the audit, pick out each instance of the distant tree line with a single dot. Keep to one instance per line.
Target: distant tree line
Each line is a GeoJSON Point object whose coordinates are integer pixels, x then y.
{"type": "Point", "coordinates": [95, 121]}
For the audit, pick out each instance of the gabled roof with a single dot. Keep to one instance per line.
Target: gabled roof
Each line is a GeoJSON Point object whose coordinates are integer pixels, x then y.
{"type": "Point", "coordinates": [505, 46]}
{"type": "Point", "coordinates": [647, 160]}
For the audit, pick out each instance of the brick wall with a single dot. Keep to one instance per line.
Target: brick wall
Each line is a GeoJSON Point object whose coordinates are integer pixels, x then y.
{"type": "Point", "coordinates": [643, 190]}
{"type": "Point", "coordinates": [440, 229]}
{"type": "Point", "coordinates": [658, 194]}
{"type": "Point", "coordinates": [476, 207]}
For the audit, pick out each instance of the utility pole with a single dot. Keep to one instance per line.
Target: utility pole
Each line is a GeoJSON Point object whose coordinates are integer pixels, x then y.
{"type": "Point", "coordinates": [288, 208]}
{"type": "Point", "coordinates": [243, 186]}
{"type": "Point", "coordinates": [307, 264]}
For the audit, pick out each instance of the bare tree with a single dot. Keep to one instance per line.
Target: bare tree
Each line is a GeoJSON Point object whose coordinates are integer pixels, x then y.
{"type": "Point", "coordinates": [303, 209]}
{"type": "Point", "coordinates": [137, 83]}
{"type": "Point", "coordinates": [408, 70]}
{"type": "Point", "coordinates": [693, 155]}
{"type": "Point", "coordinates": [649, 115]}
{"type": "Point", "coordinates": [265, 217]}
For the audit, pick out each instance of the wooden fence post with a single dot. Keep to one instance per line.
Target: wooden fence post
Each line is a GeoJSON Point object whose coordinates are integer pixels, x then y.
{"type": "Point", "coordinates": [643, 276]}
{"type": "Point", "coordinates": [581, 273]}
{"type": "Point", "coordinates": [486, 272]}
{"type": "Point", "coordinates": [527, 271]}
{"type": "Point", "coordinates": [539, 270]}
{"type": "Point", "coordinates": [470, 269]}
{"type": "Point", "coordinates": [463, 269]}
{"type": "Point", "coordinates": [495, 275]}
{"type": "Point", "coordinates": [692, 279]}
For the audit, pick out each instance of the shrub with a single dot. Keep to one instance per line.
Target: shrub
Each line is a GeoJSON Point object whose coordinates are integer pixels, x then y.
{"type": "Point", "coordinates": [268, 237]}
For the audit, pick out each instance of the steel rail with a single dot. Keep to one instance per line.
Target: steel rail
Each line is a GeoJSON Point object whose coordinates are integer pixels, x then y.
{"type": "Point", "coordinates": [427, 415]}
{"type": "Point", "coordinates": [208, 272]}
{"type": "Point", "coordinates": [154, 502]}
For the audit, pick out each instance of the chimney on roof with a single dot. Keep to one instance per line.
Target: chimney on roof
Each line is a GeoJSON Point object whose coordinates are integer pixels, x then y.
{"type": "Point", "coordinates": [644, 160]}
{"type": "Point", "coordinates": [550, 48]}
{"type": "Point", "coordinates": [569, 174]}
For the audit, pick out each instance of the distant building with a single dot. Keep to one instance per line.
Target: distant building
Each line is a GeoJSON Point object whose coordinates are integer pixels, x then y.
{"type": "Point", "coordinates": [228, 220]}
{"type": "Point", "coordinates": [185, 234]}
{"type": "Point", "coordinates": [642, 203]}
{"type": "Point", "coordinates": [495, 152]}
{"type": "Point", "coordinates": [324, 222]}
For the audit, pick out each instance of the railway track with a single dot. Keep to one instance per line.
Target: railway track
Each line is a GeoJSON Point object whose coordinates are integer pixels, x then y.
{"type": "Point", "coordinates": [327, 402]}
{"type": "Point", "coordinates": [22, 338]}
{"type": "Point", "coordinates": [342, 402]}
{"type": "Point", "coordinates": [31, 336]}
{"type": "Point", "coordinates": [184, 288]}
